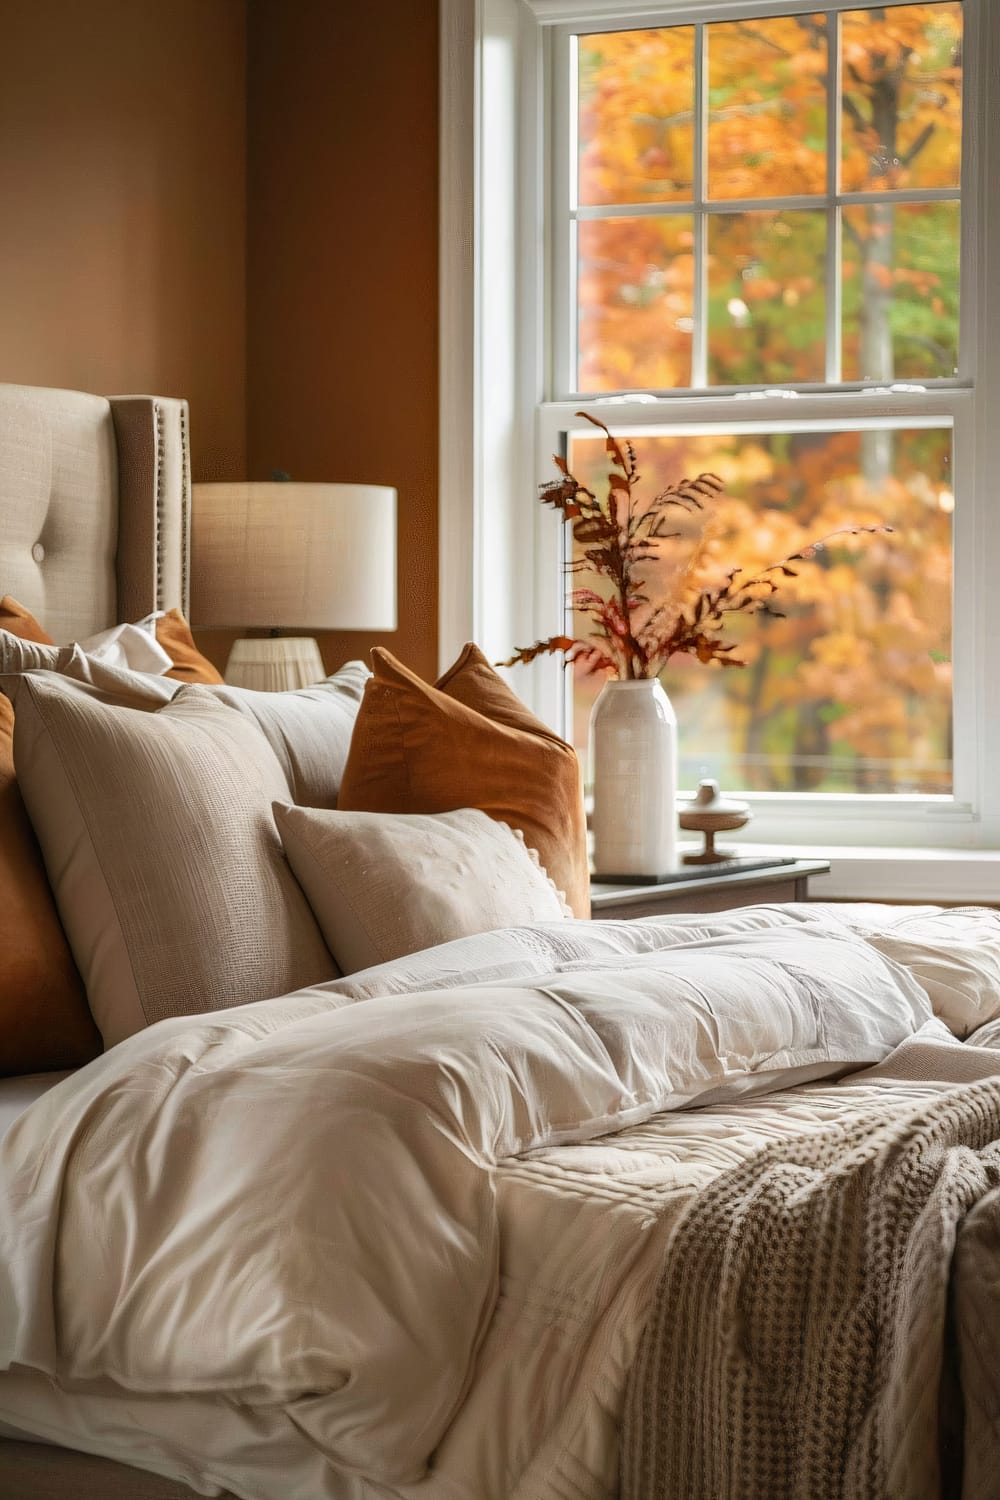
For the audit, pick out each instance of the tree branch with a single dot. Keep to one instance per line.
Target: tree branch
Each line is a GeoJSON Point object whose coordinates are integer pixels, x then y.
{"type": "Point", "coordinates": [850, 108]}
{"type": "Point", "coordinates": [918, 144]}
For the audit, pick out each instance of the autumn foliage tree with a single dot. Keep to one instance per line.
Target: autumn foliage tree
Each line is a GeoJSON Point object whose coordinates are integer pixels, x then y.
{"type": "Point", "coordinates": [858, 675]}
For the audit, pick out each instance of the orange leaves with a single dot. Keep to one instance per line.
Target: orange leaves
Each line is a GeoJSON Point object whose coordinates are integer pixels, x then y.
{"type": "Point", "coordinates": [635, 293]}
{"type": "Point", "coordinates": [851, 690]}
{"type": "Point", "coordinates": [762, 289]}
{"type": "Point", "coordinates": [767, 108]}
{"type": "Point", "coordinates": [636, 121]}
{"type": "Point", "coordinates": [901, 117]}
{"type": "Point", "coordinates": [594, 529]}
{"type": "Point", "coordinates": [903, 96]}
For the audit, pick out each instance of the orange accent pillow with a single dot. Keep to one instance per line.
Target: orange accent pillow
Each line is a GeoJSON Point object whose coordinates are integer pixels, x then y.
{"type": "Point", "coordinates": [21, 622]}
{"type": "Point", "coordinates": [174, 634]}
{"type": "Point", "coordinates": [469, 741]}
{"type": "Point", "coordinates": [44, 1019]}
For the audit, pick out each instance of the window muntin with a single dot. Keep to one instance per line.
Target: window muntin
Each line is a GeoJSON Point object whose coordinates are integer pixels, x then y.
{"type": "Point", "coordinates": [733, 126]}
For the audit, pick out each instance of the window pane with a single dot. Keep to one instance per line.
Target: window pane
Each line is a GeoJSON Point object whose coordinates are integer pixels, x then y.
{"type": "Point", "coordinates": [767, 107]}
{"type": "Point", "coordinates": [851, 692]}
{"type": "Point", "coordinates": [902, 96]}
{"type": "Point", "coordinates": [635, 302]}
{"type": "Point", "coordinates": [636, 116]}
{"type": "Point", "coordinates": [766, 297]}
{"type": "Point", "coordinates": [901, 291]}
{"type": "Point", "coordinates": [900, 299]}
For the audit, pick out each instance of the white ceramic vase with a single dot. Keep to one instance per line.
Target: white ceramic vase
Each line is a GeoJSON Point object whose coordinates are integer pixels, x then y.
{"type": "Point", "coordinates": [633, 763]}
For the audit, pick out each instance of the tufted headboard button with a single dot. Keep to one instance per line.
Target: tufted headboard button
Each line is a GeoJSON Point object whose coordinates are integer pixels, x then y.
{"type": "Point", "coordinates": [38, 552]}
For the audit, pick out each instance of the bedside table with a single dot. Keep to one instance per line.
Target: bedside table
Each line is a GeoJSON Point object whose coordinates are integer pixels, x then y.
{"type": "Point", "coordinates": [716, 892]}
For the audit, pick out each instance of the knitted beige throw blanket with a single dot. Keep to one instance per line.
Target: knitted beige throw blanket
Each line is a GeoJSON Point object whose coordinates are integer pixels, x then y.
{"type": "Point", "coordinates": [800, 1344]}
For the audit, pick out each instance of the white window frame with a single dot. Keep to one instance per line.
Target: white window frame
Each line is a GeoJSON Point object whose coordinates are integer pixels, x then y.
{"type": "Point", "coordinates": [500, 580]}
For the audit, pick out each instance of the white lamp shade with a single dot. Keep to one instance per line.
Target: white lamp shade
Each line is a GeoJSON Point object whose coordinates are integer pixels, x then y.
{"type": "Point", "coordinates": [293, 556]}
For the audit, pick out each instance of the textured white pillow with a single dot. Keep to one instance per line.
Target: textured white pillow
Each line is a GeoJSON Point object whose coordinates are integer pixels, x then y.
{"type": "Point", "coordinates": [386, 884]}
{"type": "Point", "coordinates": [162, 854]}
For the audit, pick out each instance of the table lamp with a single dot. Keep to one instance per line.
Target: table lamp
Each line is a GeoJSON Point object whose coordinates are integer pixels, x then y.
{"type": "Point", "coordinates": [291, 556]}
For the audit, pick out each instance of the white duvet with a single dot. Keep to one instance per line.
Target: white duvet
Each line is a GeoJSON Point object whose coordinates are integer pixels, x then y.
{"type": "Point", "coordinates": [281, 1230]}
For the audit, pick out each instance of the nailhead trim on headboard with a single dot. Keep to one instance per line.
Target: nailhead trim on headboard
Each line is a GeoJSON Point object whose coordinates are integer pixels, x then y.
{"type": "Point", "coordinates": [158, 538]}
{"type": "Point", "coordinates": [186, 512]}
{"type": "Point", "coordinates": [154, 518]}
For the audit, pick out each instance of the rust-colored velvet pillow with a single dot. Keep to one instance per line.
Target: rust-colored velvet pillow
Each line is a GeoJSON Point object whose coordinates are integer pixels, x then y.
{"type": "Point", "coordinates": [469, 741]}
{"type": "Point", "coordinates": [174, 634]}
{"type": "Point", "coordinates": [44, 1019]}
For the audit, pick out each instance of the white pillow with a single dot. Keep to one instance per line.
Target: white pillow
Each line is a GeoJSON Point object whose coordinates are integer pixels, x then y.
{"type": "Point", "coordinates": [162, 854]}
{"type": "Point", "coordinates": [386, 884]}
{"type": "Point", "coordinates": [133, 648]}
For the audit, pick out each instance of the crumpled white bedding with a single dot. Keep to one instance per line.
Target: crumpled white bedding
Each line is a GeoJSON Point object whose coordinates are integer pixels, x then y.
{"type": "Point", "coordinates": [17, 1092]}
{"type": "Point", "coordinates": [308, 1246]}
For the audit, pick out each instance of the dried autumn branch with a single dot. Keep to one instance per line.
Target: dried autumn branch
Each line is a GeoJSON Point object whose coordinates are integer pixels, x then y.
{"type": "Point", "coordinates": [632, 636]}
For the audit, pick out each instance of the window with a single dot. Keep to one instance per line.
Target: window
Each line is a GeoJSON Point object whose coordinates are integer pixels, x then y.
{"type": "Point", "coordinates": [851, 690]}
{"type": "Point", "coordinates": [756, 227]}
{"type": "Point", "coordinates": [757, 237]}
{"type": "Point", "coordinates": [765, 202]}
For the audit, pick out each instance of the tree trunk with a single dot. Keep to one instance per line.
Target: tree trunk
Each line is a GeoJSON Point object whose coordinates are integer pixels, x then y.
{"type": "Point", "coordinates": [877, 361]}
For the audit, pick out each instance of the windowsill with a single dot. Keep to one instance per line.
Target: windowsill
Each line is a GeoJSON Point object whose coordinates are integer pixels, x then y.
{"type": "Point", "coordinates": [938, 876]}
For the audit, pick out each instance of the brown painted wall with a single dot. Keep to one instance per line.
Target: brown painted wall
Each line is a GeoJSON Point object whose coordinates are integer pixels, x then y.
{"type": "Point", "coordinates": [236, 201]}
{"type": "Point", "coordinates": [342, 271]}
{"type": "Point", "coordinates": [123, 206]}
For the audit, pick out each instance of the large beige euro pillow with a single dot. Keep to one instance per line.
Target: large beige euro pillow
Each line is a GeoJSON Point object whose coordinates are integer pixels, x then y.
{"type": "Point", "coordinates": [386, 884]}
{"type": "Point", "coordinates": [309, 729]}
{"type": "Point", "coordinates": [162, 854]}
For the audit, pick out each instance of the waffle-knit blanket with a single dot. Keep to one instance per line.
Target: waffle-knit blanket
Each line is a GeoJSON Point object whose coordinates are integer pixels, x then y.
{"type": "Point", "coordinates": [801, 1342]}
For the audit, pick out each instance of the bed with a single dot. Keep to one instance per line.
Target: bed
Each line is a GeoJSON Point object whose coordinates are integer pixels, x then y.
{"type": "Point", "coordinates": [420, 1230]}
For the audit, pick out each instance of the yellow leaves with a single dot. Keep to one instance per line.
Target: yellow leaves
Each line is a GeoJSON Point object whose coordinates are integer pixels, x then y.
{"type": "Point", "coordinates": [679, 274]}
{"type": "Point", "coordinates": [840, 651]}
{"type": "Point", "coordinates": [635, 294]}
{"type": "Point", "coordinates": [767, 108]}
{"type": "Point", "coordinates": [908, 57]}
{"type": "Point", "coordinates": [809, 64]}
{"type": "Point", "coordinates": [867, 637]}
{"type": "Point", "coordinates": [636, 123]}
{"type": "Point", "coordinates": [767, 133]}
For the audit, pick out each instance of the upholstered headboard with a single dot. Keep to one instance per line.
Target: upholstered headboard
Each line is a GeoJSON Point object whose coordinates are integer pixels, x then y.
{"type": "Point", "coordinates": [95, 506]}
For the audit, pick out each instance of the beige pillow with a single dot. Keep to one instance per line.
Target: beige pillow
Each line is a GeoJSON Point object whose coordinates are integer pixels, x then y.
{"type": "Point", "coordinates": [309, 729]}
{"type": "Point", "coordinates": [161, 850]}
{"type": "Point", "coordinates": [117, 685]}
{"type": "Point", "coordinates": [17, 655]}
{"type": "Point", "coordinates": [386, 884]}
